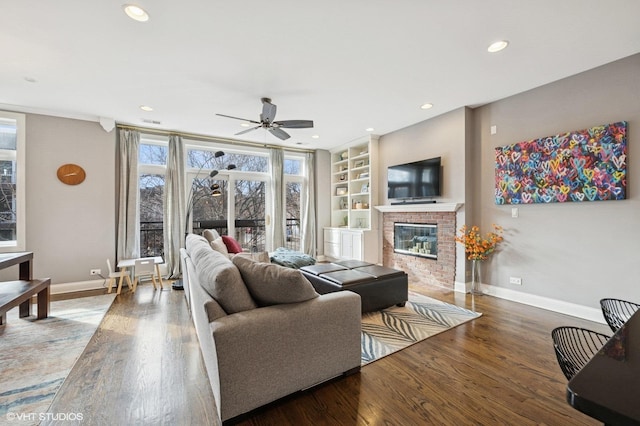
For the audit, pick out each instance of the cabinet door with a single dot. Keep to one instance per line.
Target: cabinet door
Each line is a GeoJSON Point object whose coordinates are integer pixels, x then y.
{"type": "Point", "coordinates": [356, 246]}
{"type": "Point", "coordinates": [345, 244]}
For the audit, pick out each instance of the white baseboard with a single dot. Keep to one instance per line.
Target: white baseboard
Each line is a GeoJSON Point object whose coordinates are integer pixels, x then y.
{"type": "Point", "coordinates": [78, 286]}
{"type": "Point", "coordinates": [559, 306]}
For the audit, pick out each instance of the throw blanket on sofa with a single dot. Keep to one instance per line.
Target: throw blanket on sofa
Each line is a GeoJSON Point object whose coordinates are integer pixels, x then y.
{"type": "Point", "coordinates": [291, 258]}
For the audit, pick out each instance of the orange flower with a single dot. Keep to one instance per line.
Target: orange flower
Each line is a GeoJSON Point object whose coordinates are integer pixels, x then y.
{"type": "Point", "coordinates": [475, 246]}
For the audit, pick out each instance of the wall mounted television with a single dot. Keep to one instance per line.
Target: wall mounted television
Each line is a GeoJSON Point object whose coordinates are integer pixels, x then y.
{"type": "Point", "coordinates": [418, 181]}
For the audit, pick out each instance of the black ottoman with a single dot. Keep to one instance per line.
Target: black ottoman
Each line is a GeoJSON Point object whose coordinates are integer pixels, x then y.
{"type": "Point", "coordinates": [379, 287]}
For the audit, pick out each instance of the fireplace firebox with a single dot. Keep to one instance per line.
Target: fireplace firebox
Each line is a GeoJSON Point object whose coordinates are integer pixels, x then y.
{"type": "Point", "coordinates": [416, 239]}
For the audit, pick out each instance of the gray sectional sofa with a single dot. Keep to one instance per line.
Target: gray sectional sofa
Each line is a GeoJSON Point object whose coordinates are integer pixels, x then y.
{"type": "Point", "coordinates": [263, 330]}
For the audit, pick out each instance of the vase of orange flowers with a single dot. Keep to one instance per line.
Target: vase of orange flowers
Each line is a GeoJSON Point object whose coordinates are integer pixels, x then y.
{"type": "Point", "coordinates": [478, 248]}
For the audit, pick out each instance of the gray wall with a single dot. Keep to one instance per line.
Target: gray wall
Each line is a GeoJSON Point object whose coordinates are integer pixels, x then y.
{"type": "Point", "coordinates": [574, 252]}
{"type": "Point", "coordinates": [70, 229]}
{"type": "Point", "coordinates": [447, 136]}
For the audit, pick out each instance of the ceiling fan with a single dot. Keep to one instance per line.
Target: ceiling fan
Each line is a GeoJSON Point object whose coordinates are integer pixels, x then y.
{"type": "Point", "coordinates": [267, 121]}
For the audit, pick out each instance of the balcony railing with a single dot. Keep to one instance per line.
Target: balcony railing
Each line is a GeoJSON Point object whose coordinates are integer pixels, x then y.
{"type": "Point", "coordinates": [250, 233]}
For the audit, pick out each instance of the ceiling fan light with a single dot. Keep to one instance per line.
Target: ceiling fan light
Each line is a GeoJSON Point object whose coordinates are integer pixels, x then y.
{"type": "Point", "coordinates": [135, 12]}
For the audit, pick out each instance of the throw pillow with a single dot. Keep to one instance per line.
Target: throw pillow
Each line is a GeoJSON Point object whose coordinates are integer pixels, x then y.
{"type": "Point", "coordinates": [210, 234]}
{"type": "Point", "coordinates": [219, 246]}
{"type": "Point", "coordinates": [222, 280]}
{"type": "Point", "coordinates": [232, 245]}
{"type": "Point", "coordinates": [271, 284]}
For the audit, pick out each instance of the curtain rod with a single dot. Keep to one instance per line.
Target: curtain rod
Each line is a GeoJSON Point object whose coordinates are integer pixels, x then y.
{"type": "Point", "coordinates": [206, 138]}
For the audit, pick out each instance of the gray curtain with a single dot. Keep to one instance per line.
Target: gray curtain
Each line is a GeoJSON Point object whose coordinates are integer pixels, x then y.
{"type": "Point", "coordinates": [308, 207]}
{"type": "Point", "coordinates": [128, 238]}
{"type": "Point", "coordinates": [277, 190]}
{"type": "Point", "coordinates": [174, 206]}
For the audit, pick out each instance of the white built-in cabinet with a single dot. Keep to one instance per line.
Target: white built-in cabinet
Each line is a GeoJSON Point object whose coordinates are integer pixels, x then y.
{"type": "Point", "coordinates": [354, 230]}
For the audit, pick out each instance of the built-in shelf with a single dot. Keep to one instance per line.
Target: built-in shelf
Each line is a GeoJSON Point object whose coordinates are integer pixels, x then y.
{"type": "Point", "coordinates": [410, 208]}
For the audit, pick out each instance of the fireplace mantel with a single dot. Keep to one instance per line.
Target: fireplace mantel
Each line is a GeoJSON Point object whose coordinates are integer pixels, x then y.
{"type": "Point", "coordinates": [411, 208]}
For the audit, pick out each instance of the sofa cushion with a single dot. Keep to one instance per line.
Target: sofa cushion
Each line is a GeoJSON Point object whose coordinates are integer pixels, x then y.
{"type": "Point", "coordinates": [233, 246]}
{"type": "Point", "coordinates": [213, 310]}
{"type": "Point", "coordinates": [219, 277]}
{"type": "Point", "coordinates": [271, 284]}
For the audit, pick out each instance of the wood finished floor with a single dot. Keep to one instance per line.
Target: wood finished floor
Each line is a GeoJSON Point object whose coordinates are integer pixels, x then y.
{"type": "Point", "coordinates": [143, 366]}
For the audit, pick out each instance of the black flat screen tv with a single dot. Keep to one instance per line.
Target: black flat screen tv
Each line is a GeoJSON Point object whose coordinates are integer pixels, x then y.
{"type": "Point", "coordinates": [414, 181]}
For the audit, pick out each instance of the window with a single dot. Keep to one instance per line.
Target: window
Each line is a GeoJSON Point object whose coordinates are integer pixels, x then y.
{"type": "Point", "coordinates": [152, 160]}
{"type": "Point", "coordinates": [12, 188]}
{"type": "Point", "coordinates": [246, 162]}
{"type": "Point", "coordinates": [294, 179]}
{"type": "Point", "coordinates": [232, 203]}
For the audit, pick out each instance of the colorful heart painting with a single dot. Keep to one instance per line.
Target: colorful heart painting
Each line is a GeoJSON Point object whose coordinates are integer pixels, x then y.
{"type": "Point", "coordinates": [586, 165]}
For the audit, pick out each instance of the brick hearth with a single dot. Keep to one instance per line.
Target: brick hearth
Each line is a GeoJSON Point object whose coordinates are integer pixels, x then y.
{"type": "Point", "coordinates": [423, 271]}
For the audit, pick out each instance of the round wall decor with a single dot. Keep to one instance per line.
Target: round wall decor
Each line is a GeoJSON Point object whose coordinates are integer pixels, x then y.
{"type": "Point", "coordinates": [71, 174]}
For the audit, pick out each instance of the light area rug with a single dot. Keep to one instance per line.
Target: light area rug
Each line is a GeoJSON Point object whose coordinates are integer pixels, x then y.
{"type": "Point", "coordinates": [37, 355]}
{"type": "Point", "coordinates": [392, 329]}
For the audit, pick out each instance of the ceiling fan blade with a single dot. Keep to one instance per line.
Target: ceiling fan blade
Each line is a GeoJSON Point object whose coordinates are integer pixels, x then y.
{"type": "Point", "coordinates": [247, 130]}
{"type": "Point", "coordinates": [279, 133]}
{"type": "Point", "coordinates": [238, 118]}
{"type": "Point", "coordinates": [294, 124]}
{"type": "Point", "coordinates": [268, 110]}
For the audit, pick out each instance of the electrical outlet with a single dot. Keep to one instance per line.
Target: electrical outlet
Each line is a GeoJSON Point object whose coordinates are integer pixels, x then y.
{"type": "Point", "coordinates": [515, 280]}
{"type": "Point", "coordinates": [95, 272]}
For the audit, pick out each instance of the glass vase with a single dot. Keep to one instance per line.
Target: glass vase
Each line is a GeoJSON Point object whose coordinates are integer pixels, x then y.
{"type": "Point", "coordinates": [475, 277]}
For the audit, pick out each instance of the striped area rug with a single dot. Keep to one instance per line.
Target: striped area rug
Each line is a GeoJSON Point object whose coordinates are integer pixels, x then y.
{"type": "Point", "coordinates": [37, 355]}
{"type": "Point", "coordinates": [387, 331]}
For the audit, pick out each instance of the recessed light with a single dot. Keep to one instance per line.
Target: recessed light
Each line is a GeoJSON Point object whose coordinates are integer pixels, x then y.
{"type": "Point", "coordinates": [315, 137]}
{"type": "Point", "coordinates": [497, 46]}
{"type": "Point", "coordinates": [426, 106]}
{"type": "Point", "coordinates": [369, 129]}
{"type": "Point", "coordinates": [245, 124]}
{"type": "Point", "coordinates": [135, 12]}
{"type": "Point", "coordinates": [146, 108]}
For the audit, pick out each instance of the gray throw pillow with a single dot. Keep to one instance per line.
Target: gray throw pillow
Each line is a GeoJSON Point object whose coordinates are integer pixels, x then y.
{"type": "Point", "coordinates": [222, 280]}
{"type": "Point", "coordinates": [271, 284]}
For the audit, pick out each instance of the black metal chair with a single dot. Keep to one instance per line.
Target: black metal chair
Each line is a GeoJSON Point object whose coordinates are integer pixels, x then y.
{"type": "Point", "coordinates": [575, 346]}
{"type": "Point", "coordinates": [616, 312]}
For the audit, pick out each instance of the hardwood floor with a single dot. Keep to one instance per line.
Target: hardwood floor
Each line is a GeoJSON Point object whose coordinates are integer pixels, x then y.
{"type": "Point", "coordinates": [143, 366]}
{"type": "Point", "coordinates": [499, 369]}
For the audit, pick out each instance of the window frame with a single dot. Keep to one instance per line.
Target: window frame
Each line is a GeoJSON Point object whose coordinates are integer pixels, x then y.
{"type": "Point", "coordinates": [20, 158]}
{"type": "Point", "coordinates": [151, 169]}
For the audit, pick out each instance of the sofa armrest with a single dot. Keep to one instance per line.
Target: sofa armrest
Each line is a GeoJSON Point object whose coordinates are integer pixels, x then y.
{"type": "Point", "coordinates": [270, 352]}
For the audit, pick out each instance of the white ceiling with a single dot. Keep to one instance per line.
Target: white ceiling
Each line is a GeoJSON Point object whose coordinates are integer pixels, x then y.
{"type": "Point", "coordinates": [347, 65]}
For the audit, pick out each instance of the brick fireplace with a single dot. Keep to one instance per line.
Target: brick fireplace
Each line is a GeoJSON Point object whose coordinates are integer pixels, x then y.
{"type": "Point", "coordinates": [423, 270]}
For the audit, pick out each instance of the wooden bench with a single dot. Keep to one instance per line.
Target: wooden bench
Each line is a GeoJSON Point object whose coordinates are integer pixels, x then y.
{"type": "Point", "coordinates": [19, 293]}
